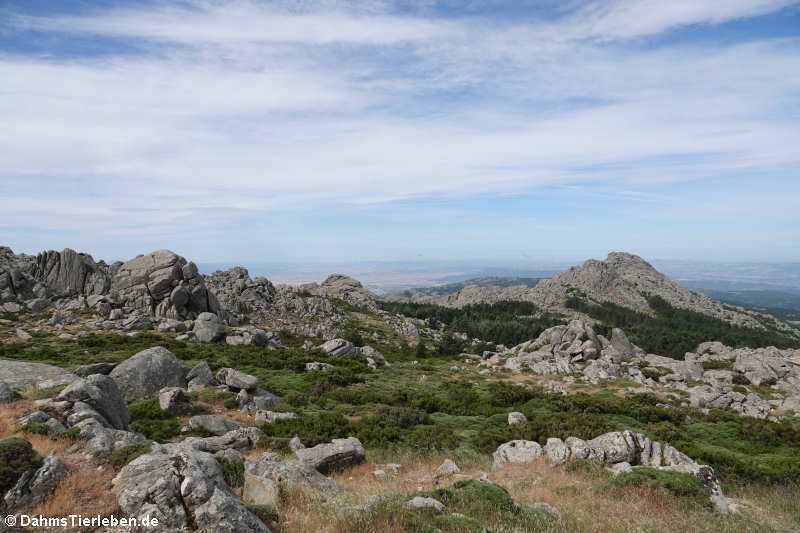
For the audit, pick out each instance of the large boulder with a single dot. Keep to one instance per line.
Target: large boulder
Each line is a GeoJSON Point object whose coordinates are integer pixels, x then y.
{"type": "Point", "coordinates": [215, 424]}
{"type": "Point", "coordinates": [182, 487]}
{"type": "Point", "coordinates": [289, 473]}
{"type": "Point", "coordinates": [208, 328]}
{"type": "Point", "coordinates": [517, 452]}
{"type": "Point", "coordinates": [147, 372]}
{"type": "Point", "coordinates": [175, 400]}
{"type": "Point", "coordinates": [337, 347]}
{"type": "Point", "coordinates": [7, 394]}
{"type": "Point", "coordinates": [22, 374]}
{"type": "Point", "coordinates": [103, 395]}
{"type": "Point", "coordinates": [337, 454]}
{"type": "Point", "coordinates": [236, 379]}
{"type": "Point", "coordinates": [35, 486]}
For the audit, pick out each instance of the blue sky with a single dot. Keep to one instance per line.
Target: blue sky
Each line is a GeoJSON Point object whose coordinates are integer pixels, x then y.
{"type": "Point", "coordinates": [413, 130]}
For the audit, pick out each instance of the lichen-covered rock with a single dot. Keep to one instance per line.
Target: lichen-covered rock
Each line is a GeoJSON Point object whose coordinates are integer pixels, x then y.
{"type": "Point", "coordinates": [35, 486]}
{"type": "Point", "coordinates": [215, 424]}
{"type": "Point", "coordinates": [337, 454]}
{"type": "Point", "coordinates": [182, 486]}
{"type": "Point", "coordinates": [270, 466]}
{"type": "Point", "coordinates": [175, 400]}
{"type": "Point", "coordinates": [7, 394]}
{"type": "Point", "coordinates": [418, 502]}
{"type": "Point", "coordinates": [236, 379]}
{"type": "Point", "coordinates": [208, 328]}
{"type": "Point", "coordinates": [103, 395]}
{"type": "Point", "coordinates": [22, 374]}
{"type": "Point", "coordinates": [517, 452]}
{"type": "Point", "coordinates": [147, 372]}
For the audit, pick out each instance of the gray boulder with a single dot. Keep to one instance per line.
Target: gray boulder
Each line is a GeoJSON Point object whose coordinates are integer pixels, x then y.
{"type": "Point", "coordinates": [215, 424]}
{"type": "Point", "coordinates": [339, 453]}
{"type": "Point", "coordinates": [182, 487]}
{"type": "Point", "coordinates": [240, 439]}
{"type": "Point", "coordinates": [418, 502]}
{"type": "Point", "coordinates": [7, 394]}
{"type": "Point", "coordinates": [100, 438]}
{"type": "Point", "coordinates": [515, 418]}
{"type": "Point", "coordinates": [175, 400]}
{"type": "Point", "coordinates": [200, 376]}
{"type": "Point", "coordinates": [147, 372]}
{"type": "Point", "coordinates": [289, 473]}
{"type": "Point", "coordinates": [447, 468]}
{"type": "Point", "coordinates": [94, 368]}
{"type": "Point", "coordinates": [337, 347]}
{"type": "Point", "coordinates": [208, 328]}
{"type": "Point", "coordinates": [237, 380]}
{"type": "Point", "coordinates": [35, 486]}
{"type": "Point", "coordinates": [103, 395]}
{"type": "Point", "coordinates": [22, 374]}
{"type": "Point", "coordinates": [517, 452]}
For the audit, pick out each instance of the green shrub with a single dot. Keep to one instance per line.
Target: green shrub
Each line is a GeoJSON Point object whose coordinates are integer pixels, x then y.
{"type": "Point", "coordinates": [679, 484]}
{"type": "Point", "coordinates": [17, 456]}
{"type": "Point", "coordinates": [215, 397]}
{"type": "Point", "coordinates": [265, 513]}
{"type": "Point", "coordinates": [740, 379]}
{"type": "Point", "coordinates": [717, 365]}
{"type": "Point", "coordinates": [48, 392]}
{"type": "Point", "coordinates": [124, 455]}
{"type": "Point", "coordinates": [431, 438]}
{"type": "Point", "coordinates": [150, 420]}
{"type": "Point", "coordinates": [233, 472]}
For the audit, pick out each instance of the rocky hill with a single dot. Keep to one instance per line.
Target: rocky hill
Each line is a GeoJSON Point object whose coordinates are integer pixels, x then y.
{"type": "Point", "coordinates": [623, 279]}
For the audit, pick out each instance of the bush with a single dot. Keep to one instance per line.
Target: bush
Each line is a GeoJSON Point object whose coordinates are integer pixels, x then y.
{"type": "Point", "coordinates": [17, 456]}
{"type": "Point", "coordinates": [679, 484]}
{"type": "Point", "coordinates": [717, 365]}
{"type": "Point", "coordinates": [124, 455]}
{"type": "Point", "coordinates": [740, 379]}
{"type": "Point", "coordinates": [429, 438]}
{"type": "Point", "coordinates": [215, 397]}
{"type": "Point", "coordinates": [265, 513]}
{"type": "Point", "coordinates": [233, 472]}
{"type": "Point", "coordinates": [150, 420]}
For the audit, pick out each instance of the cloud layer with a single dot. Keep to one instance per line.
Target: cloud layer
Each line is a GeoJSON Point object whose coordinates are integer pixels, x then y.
{"type": "Point", "coordinates": [209, 115]}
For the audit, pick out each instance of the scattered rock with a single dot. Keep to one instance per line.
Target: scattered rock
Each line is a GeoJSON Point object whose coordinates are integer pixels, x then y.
{"type": "Point", "coordinates": [337, 454]}
{"type": "Point", "coordinates": [103, 395]}
{"type": "Point", "coordinates": [418, 502]}
{"type": "Point", "coordinates": [515, 418]}
{"type": "Point", "coordinates": [94, 368]}
{"type": "Point", "coordinates": [215, 424]}
{"type": "Point", "coordinates": [237, 380]}
{"type": "Point", "coordinates": [447, 468]}
{"type": "Point", "coordinates": [7, 394]}
{"type": "Point", "coordinates": [175, 400]}
{"type": "Point", "coordinates": [517, 452]}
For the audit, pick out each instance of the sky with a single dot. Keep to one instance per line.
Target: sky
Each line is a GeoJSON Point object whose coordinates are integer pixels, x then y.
{"type": "Point", "coordinates": [415, 130]}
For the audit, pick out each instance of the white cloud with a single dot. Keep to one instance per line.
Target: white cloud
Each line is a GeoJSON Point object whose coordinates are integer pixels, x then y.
{"type": "Point", "coordinates": [265, 109]}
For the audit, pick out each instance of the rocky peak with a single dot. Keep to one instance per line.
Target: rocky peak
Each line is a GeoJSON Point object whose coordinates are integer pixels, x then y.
{"type": "Point", "coordinates": [343, 287]}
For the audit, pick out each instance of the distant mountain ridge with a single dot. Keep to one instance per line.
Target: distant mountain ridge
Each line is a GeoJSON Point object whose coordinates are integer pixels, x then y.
{"type": "Point", "coordinates": [623, 279]}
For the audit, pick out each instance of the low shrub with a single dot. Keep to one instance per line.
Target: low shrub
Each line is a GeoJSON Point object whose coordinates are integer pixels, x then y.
{"type": "Point", "coordinates": [265, 513]}
{"type": "Point", "coordinates": [150, 420]}
{"type": "Point", "coordinates": [233, 472]}
{"type": "Point", "coordinates": [124, 455]}
{"type": "Point", "coordinates": [679, 484]}
{"type": "Point", "coordinates": [17, 456]}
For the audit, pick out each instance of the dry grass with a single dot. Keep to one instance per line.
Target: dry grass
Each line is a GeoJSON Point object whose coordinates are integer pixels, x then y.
{"type": "Point", "coordinates": [586, 506]}
{"type": "Point", "coordinates": [86, 491]}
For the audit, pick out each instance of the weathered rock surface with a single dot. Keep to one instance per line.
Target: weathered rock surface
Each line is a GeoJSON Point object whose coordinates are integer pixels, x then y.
{"type": "Point", "coordinates": [345, 288]}
{"type": "Point", "coordinates": [35, 486]}
{"type": "Point", "coordinates": [7, 394]}
{"type": "Point", "coordinates": [103, 395]}
{"type": "Point", "coordinates": [147, 372]}
{"type": "Point", "coordinates": [22, 374]}
{"type": "Point", "coordinates": [236, 379]}
{"type": "Point", "coordinates": [181, 486]}
{"type": "Point", "coordinates": [215, 424]}
{"type": "Point", "coordinates": [337, 454]}
{"type": "Point", "coordinates": [208, 328]}
{"type": "Point", "coordinates": [418, 502]}
{"type": "Point", "coordinates": [175, 400]}
{"type": "Point", "coordinates": [270, 466]}
{"type": "Point", "coordinates": [517, 452]}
